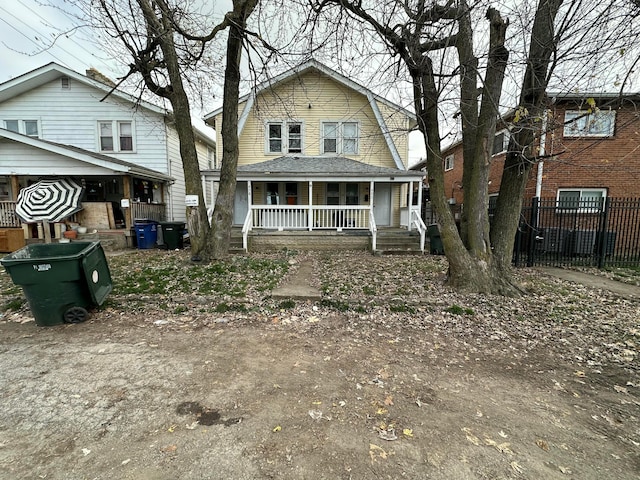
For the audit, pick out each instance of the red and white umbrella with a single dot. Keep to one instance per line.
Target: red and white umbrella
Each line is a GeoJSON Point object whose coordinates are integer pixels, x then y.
{"type": "Point", "coordinates": [49, 200]}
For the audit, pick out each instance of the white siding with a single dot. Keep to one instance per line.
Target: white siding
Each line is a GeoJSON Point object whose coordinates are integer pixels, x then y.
{"type": "Point", "coordinates": [70, 116]}
{"type": "Point", "coordinates": [21, 159]}
{"type": "Point", "coordinates": [177, 210]}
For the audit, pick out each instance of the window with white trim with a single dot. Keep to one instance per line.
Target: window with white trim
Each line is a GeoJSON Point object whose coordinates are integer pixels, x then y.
{"type": "Point", "coordinates": [340, 137]}
{"type": "Point", "coordinates": [116, 136]}
{"type": "Point", "coordinates": [582, 200]}
{"type": "Point", "coordinates": [500, 142]}
{"type": "Point", "coordinates": [25, 127]}
{"type": "Point", "coordinates": [448, 163]}
{"type": "Point", "coordinates": [284, 137]}
{"type": "Point", "coordinates": [582, 123]}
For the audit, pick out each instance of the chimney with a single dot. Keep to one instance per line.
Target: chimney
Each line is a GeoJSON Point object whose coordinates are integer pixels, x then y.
{"type": "Point", "coordinates": [94, 74]}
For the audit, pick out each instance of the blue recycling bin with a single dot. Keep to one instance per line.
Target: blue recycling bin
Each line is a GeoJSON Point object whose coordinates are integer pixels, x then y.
{"type": "Point", "coordinates": [146, 233]}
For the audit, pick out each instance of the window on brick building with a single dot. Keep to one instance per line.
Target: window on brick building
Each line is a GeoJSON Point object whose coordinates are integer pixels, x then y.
{"type": "Point", "coordinates": [500, 142]}
{"type": "Point", "coordinates": [448, 163]}
{"type": "Point", "coordinates": [584, 200]}
{"type": "Point", "coordinates": [582, 123]}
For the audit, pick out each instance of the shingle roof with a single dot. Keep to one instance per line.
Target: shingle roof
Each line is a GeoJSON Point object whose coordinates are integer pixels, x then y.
{"type": "Point", "coordinates": [320, 166]}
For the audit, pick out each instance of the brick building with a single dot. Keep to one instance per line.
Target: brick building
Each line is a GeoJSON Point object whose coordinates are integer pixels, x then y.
{"type": "Point", "coordinates": [591, 151]}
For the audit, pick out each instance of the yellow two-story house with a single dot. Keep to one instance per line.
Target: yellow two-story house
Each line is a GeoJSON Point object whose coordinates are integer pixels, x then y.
{"type": "Point", "coordinates": [320, 152]}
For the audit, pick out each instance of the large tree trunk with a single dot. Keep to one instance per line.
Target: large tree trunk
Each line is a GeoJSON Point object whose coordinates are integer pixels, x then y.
{"type": "Point", "coordinates": [521, 155]}
{"type": "Point", "coordinates": [222, 219]}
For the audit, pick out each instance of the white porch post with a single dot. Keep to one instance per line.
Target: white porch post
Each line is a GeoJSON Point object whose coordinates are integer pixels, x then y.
{"type": "Point", "coordinates": [204, 189]}
{"type": "Point", "coordinates": [310, 214]}
{"type": "Point", "coordinates": [371, 192]}
{"type": "Point", "coordinates": [410, 203]}
{"type": "Point", "coordinates": [420, 199]}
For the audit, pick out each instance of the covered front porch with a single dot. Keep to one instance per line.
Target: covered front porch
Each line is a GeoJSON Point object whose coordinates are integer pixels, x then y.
{"type": "Point", "coordinates": [289, 194]}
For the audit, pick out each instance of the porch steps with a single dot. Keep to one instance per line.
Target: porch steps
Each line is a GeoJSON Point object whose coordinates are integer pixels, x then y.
{"type": "Point", "coordinates": [235, 245]}
{"type": "Point", "coordinates": [398, 242]}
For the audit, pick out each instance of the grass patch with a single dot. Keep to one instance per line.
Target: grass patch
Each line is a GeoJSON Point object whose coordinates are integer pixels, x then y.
{"type": "Point", "coordinates": [402, 308]}
{"type": "Point", "coordinates": [286, 304]}
{"type": "Point", "coordinates": [230, 307]}
{"type": "Point", "coordinates": [458, 310]}
{"type": "Point", "coordinates": [14, 305]}
{"type": "Point", "coordinates": [335, 304]}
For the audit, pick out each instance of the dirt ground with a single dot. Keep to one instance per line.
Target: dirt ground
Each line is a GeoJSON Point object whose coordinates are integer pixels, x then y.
{"type": "Point", "coordinates": [499, 390]}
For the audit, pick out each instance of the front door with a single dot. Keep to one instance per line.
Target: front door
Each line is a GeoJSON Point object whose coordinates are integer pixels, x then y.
{"type": "Point", "coordinates": [241, 205]}
{"type": "Point", "coordinates": [382, 204]}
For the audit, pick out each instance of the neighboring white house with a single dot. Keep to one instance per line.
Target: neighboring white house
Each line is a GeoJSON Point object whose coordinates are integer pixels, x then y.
{"type": "Point", "coordinates": [55, 122]}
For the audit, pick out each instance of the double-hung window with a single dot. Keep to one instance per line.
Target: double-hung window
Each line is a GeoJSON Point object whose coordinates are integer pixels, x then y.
{"type": "Point", "coordinates": [448, 163]}
{"type": "Point", "coordinates": [340, 137]}
{"type": "Point", "coordinates": [284, 137]}
{"type": "Point", "coordinates": [116, 136]}
{"type": "Point", "coordinates": [25, 127]}
{"type": "Point", "coordinates": [500, 142]}
{"type": "Point", "coordinates": [581, 123]}
{"type": "Point", "coordinates": [584, 200]}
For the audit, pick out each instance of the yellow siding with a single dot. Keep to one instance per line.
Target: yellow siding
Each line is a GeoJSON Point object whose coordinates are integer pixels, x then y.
{"type": "Point", "coordinates": [312, 99]}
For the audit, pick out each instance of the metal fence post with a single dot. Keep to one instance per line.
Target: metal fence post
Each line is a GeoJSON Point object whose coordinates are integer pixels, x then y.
{"type": "Point", "coordinates": [533, 231]}
{"type": "Point", "coordinates": [601, 236]}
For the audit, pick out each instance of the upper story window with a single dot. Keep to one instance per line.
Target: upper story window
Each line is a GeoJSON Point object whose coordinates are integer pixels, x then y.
{"type": "Point", "coordinates": [284, 137]}
{"type": "Point", "coordinates": [340, 137]}
{"type": "Point", "coordinates": [448, 163]}
{"type": "Point", "coordinates": [500, 142]}
{"type": "Point", "coordinates": [583, 200]}
{"type": "Point", "coordinates": [581, 123]}
{"type": "Point", "coordinates": [25, 127]}
{"type": "Point", "coordinates": [116, 136]}
{"type": "Point", "coordinates": [211, 158]}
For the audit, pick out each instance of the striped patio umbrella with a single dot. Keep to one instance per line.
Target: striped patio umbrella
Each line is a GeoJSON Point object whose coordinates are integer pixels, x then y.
{"type": "Point", "coordinates": [49, 200]}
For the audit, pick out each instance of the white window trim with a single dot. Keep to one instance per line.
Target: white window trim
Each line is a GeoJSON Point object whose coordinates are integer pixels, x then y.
{"type": "Point", "coordinates": [285, 136]}
{"type": "Point", "coordinates": [115, 130]}
{"type": "Point", "coordinates": [21, 125]}
{"type": "Point", "coordinates": [340, 137]}
{"type": "Point", "coordinates": [505, 141]}
{"type": "Point", "coordinates": [449, 162]}
{"type": "Point", "coordinates": [580, 209]}
{"type": "Point", "coordinates": [569, 132]}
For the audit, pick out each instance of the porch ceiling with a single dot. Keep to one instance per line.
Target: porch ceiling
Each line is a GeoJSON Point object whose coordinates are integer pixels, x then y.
{"type": "Point", "coordinates": [319, 168]}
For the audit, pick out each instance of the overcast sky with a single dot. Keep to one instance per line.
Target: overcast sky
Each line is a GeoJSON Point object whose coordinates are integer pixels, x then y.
{"type": "Point", "coordinates": [27, 31]}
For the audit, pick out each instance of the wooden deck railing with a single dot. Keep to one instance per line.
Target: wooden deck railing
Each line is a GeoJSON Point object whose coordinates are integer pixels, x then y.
{"type": "Point", "coordinates": [150, 211]}
{"type": "Point", "coordinates": [8, 217]}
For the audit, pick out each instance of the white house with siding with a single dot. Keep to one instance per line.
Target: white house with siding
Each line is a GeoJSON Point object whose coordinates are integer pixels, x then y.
{"type": "Point", "coordinates": [56, 122]}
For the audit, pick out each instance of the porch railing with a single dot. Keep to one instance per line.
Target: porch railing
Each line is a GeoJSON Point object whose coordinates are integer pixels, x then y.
{"type": "Point", "coordinates": [8, 217]}
{"type": "Point", "coordinates": [151, 211]}
{"type": "Point", "coordinates": [420, 226]}
{"type": "Point", "coordinates": [246, 228]}
{"type": "Point", "coordinates": [305, 217]}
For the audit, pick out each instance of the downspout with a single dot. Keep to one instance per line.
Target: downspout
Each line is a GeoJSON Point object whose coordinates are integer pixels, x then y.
{"type": "Point", "coordinates": [541, 153]}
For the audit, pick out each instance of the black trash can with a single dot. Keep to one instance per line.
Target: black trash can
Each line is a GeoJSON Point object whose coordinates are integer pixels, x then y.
{"type": "Point", "coordinates": [172, 233]}
{"type": "Point", "coordinates": [60, 280]}
{"type": "Point", "coordinates": [435, 241]}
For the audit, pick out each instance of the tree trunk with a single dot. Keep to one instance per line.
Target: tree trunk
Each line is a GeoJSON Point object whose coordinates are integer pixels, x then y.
{"type": "Point", "coordinates": [521, 152]}
{"type": "Point", "coordinates": [222, 219]}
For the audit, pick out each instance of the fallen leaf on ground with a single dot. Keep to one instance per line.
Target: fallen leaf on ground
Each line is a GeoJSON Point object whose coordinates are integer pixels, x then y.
{"type": "Point", "coordinates": [277, 428]}
{"type": "Point", "coordinates": [407, 432]}
{"type": "Point", "coordinates": [620, 389]}
{"type": "Point", "coordinates": [542, 444]}
{"type": "Point", "coordinates": [388, 435]}
{"type": "Point", "coordinates": [471, 437]}
{"type": "Point", "coordinates": [389, 400]}
{"type": "Point", "coordinates": [516, 467]}
{"type": "Point", "coordinates": [169, 448]}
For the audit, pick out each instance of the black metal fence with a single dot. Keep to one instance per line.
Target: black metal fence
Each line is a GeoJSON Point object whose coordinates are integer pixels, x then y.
{"type": "Point", "coordinates": [595, 232]}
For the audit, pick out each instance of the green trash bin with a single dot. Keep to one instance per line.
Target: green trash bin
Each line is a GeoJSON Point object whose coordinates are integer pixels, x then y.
{"type": "Point", "coordinates": [60, 280]}
{"type": "Point", "coordinates": [172, 234]}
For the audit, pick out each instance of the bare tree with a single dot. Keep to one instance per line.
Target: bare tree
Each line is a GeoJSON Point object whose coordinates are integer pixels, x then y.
{"type": "Point", "coordinates": [165, 42]}
{"type": "Point", "coordinates": [434, 41]}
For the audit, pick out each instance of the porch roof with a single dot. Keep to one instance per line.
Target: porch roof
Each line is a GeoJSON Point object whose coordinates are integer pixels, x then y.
{"type": "Point", "coordinates": [319, 168]}
{"type": "Point", "coordinates": [111, 165]}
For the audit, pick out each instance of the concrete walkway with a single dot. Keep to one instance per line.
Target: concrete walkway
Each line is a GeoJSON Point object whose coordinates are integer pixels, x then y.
{"type": "Point", "coordinates": [625, 290]}
{"type": "Point", "coordinates": [298, 286]}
